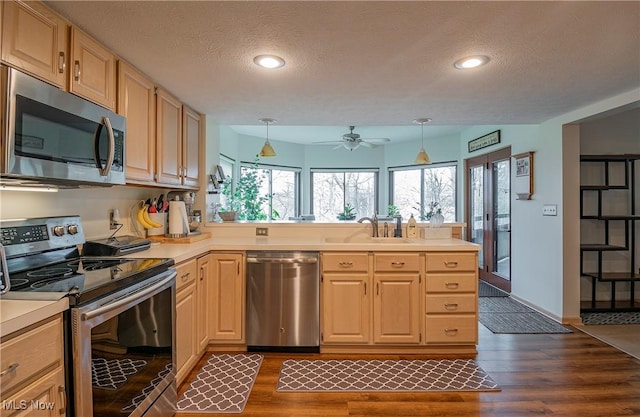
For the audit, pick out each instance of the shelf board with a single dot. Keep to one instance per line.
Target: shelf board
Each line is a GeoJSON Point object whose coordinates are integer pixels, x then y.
{"type": "Point", "coordinates": [600, 247]}
{"type": "Point", "coordinates": [603, 187]}
{"type": "Point", "coordinates": [614, 276]}
{"type": "Point", "coordinates": [611, 217]}
{"type": "Point", "coordinates": [605, 158]}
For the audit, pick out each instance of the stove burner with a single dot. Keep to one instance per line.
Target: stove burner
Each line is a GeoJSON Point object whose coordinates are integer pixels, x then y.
{"type": "Point", "coordinates": [16, 282]}
{"type": "Point", "coordinates": [50, 272]}
{"type": "Point", "coordinates": [44, 283]}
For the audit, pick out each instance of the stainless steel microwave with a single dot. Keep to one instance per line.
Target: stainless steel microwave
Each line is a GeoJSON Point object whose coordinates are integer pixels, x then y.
{"type": "Point", "coordinates": [50, 136]}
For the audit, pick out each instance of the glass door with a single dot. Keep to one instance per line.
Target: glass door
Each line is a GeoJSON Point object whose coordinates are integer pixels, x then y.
{"type": "Point", "coordinates": [488, 199]}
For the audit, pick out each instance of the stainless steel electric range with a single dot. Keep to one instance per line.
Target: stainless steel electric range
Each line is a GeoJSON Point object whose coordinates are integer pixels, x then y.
{"type": "Point", "coordinates": [121, 324]}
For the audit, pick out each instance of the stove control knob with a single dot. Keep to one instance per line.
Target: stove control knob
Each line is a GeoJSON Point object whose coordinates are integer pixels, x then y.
{"type": "Point", "coordinates": [72, 229]}
{"type": "Point", "coordinates": [58, 230]}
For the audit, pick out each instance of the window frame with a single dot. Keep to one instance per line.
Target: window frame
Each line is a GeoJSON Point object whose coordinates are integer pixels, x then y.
{"type": "Point", "coordinates": [376, 182]}
{"type": "Point", "coordinates": [270, 167]}
{"type": "Point", "coordinates": [422, 168]}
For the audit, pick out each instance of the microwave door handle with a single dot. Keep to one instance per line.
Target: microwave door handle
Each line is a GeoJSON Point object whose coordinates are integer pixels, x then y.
{"type": "Point", "coordinates": [104, 171]}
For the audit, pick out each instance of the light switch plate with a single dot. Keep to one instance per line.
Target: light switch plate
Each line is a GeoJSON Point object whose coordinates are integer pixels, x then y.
{"type": "Point", "coordinates": [550, 210]}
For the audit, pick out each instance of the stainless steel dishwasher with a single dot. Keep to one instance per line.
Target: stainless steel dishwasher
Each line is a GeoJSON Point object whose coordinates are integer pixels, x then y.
{"type": "Point", "coordinates": [283, 301]}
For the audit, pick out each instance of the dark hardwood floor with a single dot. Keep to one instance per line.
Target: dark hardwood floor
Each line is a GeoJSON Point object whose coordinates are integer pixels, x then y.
{"type": "Point", "coordinates": [571, 375]}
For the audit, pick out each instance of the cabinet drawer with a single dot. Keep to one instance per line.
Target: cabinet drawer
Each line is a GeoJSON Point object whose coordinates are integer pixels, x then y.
{"type": "Point", "coordinates": [28, 355]}
{"type": "Point", "coordinates": [451, 303]}
{"type": "Point", "coordinates": [452, 283]}
{"type": "Point", "coordinates": [347, 261]}
{"type": "Point", "coordinates": [397, 262]}
{"type": "Point", "coordinates": [452, 328]}
{"type": "Point", "coordinates": [186, 274]}
{"type": "Point", "coordinates": [452, 262]}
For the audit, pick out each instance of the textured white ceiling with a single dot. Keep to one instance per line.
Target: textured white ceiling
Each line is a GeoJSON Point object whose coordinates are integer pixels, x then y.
{"type": "Point", "coordinates": [374, 63]}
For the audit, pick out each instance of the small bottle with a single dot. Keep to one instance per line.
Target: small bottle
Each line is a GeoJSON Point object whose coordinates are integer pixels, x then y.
{"type": "Point", "coordinates": [412, 227]}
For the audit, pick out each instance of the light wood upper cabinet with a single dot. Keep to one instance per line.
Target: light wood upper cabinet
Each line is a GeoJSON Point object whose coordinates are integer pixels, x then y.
{"type": "Point", "coordinates": [137, 102]}
{"type": "Point", "coordinates": [227, 298]}
{"type": "Point", "coordinates": [169, 138]}
{"type": "Point", "coordinates": [191, 125]}
{"type": "Point", "coordinates": [35, 39]}
{"type": "Point", "coordinates": [93, 70]}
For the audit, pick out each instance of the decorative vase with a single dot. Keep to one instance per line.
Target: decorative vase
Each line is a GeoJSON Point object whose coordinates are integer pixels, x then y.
{"type": "Point", "coordinates": [436, 220]}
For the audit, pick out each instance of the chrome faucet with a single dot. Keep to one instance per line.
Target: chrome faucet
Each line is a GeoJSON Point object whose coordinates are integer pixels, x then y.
{"type": "Point", "coordinates": [374, 223]}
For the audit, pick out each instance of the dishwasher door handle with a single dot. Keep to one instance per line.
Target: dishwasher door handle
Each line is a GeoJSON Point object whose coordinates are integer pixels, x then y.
{"type": "Point", "coordinates": [297, 260]}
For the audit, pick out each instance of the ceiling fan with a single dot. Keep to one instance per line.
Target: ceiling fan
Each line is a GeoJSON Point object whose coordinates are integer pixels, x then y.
{"type": "Point", "coordinates": [352, 141]}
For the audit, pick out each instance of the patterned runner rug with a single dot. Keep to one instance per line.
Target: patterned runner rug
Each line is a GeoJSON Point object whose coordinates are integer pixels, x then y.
{"type": "Point", "coordinates": [384, 375]}
{"type": "Point", "coordinates": [110, 374]}
{"type": "Point", "coordinates": [488, 290]}
{"type": "Point", "coordinates": [506, 315]}
{"type": "Point", "coordinates": [631, 317]}
{"type": "Point", "coordinates": [223, 385]}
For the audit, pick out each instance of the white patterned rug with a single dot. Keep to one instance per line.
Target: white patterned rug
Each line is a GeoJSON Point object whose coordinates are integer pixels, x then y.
{"type": "Point", "coordinates": [111, 373]}
{"type": "Point", "coordinates": [222, 385]}
{"type": "Point", "coordinates": [384, 375]}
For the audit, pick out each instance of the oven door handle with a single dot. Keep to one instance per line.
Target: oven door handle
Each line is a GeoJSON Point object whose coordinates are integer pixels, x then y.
{"type": "Point", "coordinates": [132, 298]}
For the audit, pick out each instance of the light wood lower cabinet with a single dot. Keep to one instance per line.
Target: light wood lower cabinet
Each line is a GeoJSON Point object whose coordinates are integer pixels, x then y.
{"type": "Point", "coordinates": [366, 294]}
{"type": "Point", "coordinates": [451, 303]}
{"type": "Point", "coordinates": [186, 317]}
{"type": "Point", "coordinates": [227, 298]}
{"type": "Point", "coordinates": [205, 269]}
{"type": "Point", "coordinates": [346, 307]}
{"type": "Point", "coordinates": [32, 366]}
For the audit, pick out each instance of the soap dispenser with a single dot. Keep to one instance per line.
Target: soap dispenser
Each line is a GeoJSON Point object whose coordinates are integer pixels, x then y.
{"type": "Point", "coordinates": [412, 227]}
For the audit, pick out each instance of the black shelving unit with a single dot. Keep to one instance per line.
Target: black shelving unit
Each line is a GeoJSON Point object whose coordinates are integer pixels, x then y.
{"type": "Point", "coordinates": [630, 274]}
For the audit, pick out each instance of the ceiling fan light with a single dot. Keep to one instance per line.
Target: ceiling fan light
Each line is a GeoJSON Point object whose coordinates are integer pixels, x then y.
{"type": "Point", "coordinates": [422, 157]}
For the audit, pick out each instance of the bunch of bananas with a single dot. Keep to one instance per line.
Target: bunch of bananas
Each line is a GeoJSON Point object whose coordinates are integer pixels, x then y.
{"type": "Point", "coordinates": [144, 219]}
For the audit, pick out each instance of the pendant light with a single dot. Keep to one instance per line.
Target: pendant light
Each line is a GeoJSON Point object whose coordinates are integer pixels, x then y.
{"type": "Point", "coordinates": [267, 149]}
{"type": "Point", "coordinates": [422, 157]}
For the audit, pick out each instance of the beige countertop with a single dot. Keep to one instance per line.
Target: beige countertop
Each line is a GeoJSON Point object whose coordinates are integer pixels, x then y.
{"type": "Point", "coordinates": [18, 314]}
{"type": "Point", "coordinates": [183, 251]}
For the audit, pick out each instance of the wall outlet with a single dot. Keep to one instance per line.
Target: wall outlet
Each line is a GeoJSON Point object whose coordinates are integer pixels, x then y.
{"type": "Point", "coordinates": [262, 231]}
{"type": "Point", "coordinates": [550, 210]}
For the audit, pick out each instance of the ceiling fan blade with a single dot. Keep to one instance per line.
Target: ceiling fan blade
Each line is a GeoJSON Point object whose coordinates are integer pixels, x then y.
{"type": "Point", "coordinates": [327, 142]}
{"type": "Point", "coordinates": [368, 144]}
{"type": "Point", "coordinates": [377, 141]}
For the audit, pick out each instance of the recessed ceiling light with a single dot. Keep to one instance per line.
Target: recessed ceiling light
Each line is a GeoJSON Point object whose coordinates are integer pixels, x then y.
{"type": "Point", "coordinates": [269, 61]}
{"type": "Point", "coordinates": [471, 62]}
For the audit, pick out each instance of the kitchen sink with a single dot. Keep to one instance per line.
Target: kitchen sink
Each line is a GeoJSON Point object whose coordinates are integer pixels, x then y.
{"type": "Point", "coordinates": [369, 239]}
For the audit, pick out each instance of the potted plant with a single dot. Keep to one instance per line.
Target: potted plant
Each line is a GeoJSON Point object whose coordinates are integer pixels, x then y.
{"type": "Point", "coordinates": [348, 213]}
{"type": "Point", "coordinates": [244, 199]}
{"type": "Point", "coordinates": [392, 210]}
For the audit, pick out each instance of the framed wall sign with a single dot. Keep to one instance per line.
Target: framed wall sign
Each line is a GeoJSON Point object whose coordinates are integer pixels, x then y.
{"type": "Point", "coordinates": [523, 182]}
{"type": "Point", "coordinates": [484, 141]}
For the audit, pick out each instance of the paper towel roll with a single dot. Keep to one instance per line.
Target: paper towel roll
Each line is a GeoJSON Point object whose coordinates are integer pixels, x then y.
{"type": "Point", "coordinates": [178, 222]}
